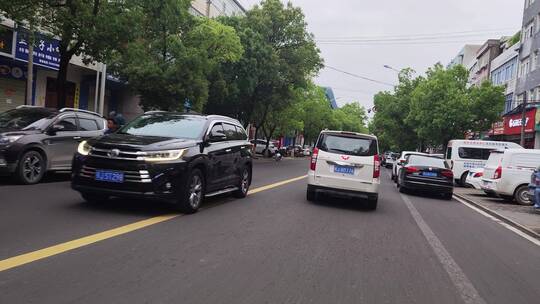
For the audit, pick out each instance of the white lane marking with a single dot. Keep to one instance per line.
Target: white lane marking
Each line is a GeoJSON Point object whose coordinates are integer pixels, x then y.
{"type": "Point", "coordinates": [465, 288]}
{"type": "Point", "coordinates": [505, 225]}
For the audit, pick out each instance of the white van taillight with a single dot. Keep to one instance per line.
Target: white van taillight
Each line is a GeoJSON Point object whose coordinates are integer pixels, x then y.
{"type": "Point", "coordinates": [376, 167]}
{"type": "Point", "coordinates": [498, 173]}
{"type": "Point", "coordinates": [314, 156]}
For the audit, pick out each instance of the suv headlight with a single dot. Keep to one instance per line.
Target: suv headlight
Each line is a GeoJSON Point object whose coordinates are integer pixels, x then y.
{"type": "Point", "coordinates": [161, 156]}
{"type": "Point", "coordinates": [84, 148]}
{"type": "Point", "coordinates": [7, 139]}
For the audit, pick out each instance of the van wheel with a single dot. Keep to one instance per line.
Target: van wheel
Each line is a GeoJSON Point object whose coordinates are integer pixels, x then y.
{"type": "Point", "coordinates": [192, 195]}
{"type": "Point", "coordinates": [372, 204]}
{"type": "Point", "coordinates": [311, 196]}
{"type": "Point", "coordinates": [522, 196]}
{"type": "Point", "coordinates": [463, 179]}
{"type": "Point", "coordinates": [31, 168]}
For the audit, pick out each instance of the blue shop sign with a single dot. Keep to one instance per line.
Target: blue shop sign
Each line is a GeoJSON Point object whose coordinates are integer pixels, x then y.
{"type": "Point", "coordinates": [46, 50]}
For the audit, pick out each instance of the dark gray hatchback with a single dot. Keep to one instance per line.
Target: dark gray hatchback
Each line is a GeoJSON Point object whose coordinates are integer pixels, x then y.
{"type": "Point", "coordinates": [34, 140]}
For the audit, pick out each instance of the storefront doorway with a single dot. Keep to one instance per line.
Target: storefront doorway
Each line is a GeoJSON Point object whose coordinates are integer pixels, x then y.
{"type": "Point", "coordinates": [51, 95]}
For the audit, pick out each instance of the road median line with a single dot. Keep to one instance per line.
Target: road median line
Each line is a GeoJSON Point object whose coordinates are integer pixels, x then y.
{"type": "Point", "coordinates": [40, 254]}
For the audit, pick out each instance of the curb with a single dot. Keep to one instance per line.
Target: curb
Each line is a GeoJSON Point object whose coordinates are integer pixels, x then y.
{"type": "Point", "coordinates": [508, 221]}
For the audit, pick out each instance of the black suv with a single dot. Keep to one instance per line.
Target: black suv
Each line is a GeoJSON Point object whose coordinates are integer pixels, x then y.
{"type": "Point", "coordinates": [175, 157]}
{"type": "Point", "coordinates": [34, 140]}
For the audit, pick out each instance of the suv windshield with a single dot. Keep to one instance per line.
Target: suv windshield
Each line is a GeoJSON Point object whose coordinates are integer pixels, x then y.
{"type": "Point", "coordinates": [166, 125]}
{"type": "Point", "coordinates": [25, 119]}
{"type": "Point", "coordinates": [347, 144]}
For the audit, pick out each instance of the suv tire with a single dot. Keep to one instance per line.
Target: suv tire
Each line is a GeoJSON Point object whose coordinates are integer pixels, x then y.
{"type": "Point", "coordinates": [521, 196]}
{"type": "Point", "coordinates": [245, 181]}
{"type": "Point", "coordinates": [192, 195]}
{"type": "Point", "coordinates": [31, 168]}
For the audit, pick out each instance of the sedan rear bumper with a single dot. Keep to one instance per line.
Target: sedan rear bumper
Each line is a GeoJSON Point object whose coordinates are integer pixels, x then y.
{"type": "Point", "coordinates": [426, 186]}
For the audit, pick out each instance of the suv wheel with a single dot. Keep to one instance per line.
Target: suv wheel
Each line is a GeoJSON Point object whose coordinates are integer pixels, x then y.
{"type": "Point", "coordinates": [193, 193]}
{"type": "Point", "coordinates": [243, 188]}
{"type": "Point", "coordinates": [31, 168]}
{"type": "Point", "coordinates": [522, 196]}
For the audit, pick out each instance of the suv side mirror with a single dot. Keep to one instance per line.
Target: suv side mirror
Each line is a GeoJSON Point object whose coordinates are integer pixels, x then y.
{"type": "Point", "coordinates": [55, 128]}
{"type": "Point", "coordinates": [216, 137]}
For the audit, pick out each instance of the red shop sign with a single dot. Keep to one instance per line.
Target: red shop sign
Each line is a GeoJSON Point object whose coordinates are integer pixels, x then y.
{"type": "Point", "coordinates": [512, 123]}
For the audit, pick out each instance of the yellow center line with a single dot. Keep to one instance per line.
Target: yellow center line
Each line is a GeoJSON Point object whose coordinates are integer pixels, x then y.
{"type": "Point", "coordinates": [40, 254]}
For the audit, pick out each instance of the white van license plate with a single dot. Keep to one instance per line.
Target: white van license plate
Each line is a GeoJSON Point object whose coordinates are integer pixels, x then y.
{"type": "Point", "coordinates": [344, 170]}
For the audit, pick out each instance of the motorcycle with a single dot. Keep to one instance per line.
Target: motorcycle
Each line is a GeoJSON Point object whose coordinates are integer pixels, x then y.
{"type": "Point", "coordinates": [278, 156]}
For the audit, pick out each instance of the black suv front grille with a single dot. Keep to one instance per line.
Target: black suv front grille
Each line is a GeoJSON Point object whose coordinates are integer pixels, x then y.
{"type": "Point", "coordinates": [141, 176]}
{"type": "Point", "coordinates": [115, 154]}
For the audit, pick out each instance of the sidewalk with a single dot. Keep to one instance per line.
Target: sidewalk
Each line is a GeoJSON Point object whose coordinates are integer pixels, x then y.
{"type": "Point", "coordinates": [507, 211]}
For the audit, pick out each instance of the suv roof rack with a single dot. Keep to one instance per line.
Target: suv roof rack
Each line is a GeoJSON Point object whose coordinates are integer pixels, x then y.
{"type": "Point", "coordinates": [27, 106]}
{"type": "Point", "coordinates": [79, 110]}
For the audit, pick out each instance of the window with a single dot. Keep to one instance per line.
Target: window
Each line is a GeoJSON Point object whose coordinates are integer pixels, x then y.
{"type": "Point", "coordinates": [69, 123]}
{"type": "Point", "coordinates": [534, 63]}
{"type": "Point", "coordinates": [449, 153]}
{"type": "Point", "coordinates": [474, 153]}
{"type": "Point", "coordinates": [348, 145]}
{"type": "Point", "coordinates": [420, 160]}
{"type": "Point", "coordinates": [166, 125]}
{"type": "Point", "coordinates": [217, 129]}
{"type": "Point", "coordinates": [230, 131]}
{"type": "Point", "coordinates": [88, 124]}
{"type": "Point", "coordinates": [241, 133]}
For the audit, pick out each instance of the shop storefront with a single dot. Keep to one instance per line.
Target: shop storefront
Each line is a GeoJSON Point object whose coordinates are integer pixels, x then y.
{"type": "Point", "coordinates": [512, 128]}
{"type": "Point", "coordinates": [537, 129]}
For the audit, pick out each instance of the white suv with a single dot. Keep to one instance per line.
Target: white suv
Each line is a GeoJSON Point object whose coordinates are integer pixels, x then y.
{"type": "Point", "coordinates": [345, 164]}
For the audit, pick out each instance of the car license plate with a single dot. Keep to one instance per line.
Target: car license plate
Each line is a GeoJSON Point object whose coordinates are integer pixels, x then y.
{"type": "Point", "coordinates": [429, 174]}
{"type": "Point", "coordinates": [344, 170]}
{"type": "Point", "coordinates": [110, 176]}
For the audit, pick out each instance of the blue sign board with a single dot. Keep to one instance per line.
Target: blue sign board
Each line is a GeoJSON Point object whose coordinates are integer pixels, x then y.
{"type": "Point", "coordinates": [46, 50]}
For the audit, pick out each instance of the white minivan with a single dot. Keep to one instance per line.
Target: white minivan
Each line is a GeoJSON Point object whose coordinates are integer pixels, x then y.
{"type": "Point", "coordinates": [345, 164]}
{"type": "Point", "coordinates": [463, 155]}
{"type": "Point", "coordinates": [508, 173]}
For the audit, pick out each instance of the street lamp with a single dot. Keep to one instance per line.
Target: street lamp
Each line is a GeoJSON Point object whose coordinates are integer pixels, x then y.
{"type": "Point", "coordinates": [391, 68]}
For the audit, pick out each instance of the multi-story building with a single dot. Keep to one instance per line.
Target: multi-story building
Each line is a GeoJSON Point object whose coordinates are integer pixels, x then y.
{"type": "Point", "coordinates": [481, 66]}
{"type": "Point", "coordinates": [504, 73]}
{"type": "Point", "coordinates": [466, 56]}
{"type": "Point", "coordinates": [528, 80]}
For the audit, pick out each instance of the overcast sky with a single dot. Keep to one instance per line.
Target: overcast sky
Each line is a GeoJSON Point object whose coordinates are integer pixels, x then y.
{"type": "Point", "coordinates": [468, 20]}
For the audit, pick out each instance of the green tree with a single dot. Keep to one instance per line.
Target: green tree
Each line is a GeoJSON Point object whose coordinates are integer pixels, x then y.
{"type": "Point", "coordinates": [354, 118]}
{"type": "Point", "coordinates": [390, 122]}
{"type": "Point", "coordinates": [90, 28]}
{"type": "Point", "coordinates": [280, 56]}
{"type": "Point", "coordinates": [173, 54]}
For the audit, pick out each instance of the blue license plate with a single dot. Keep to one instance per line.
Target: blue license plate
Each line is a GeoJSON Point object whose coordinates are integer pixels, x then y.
{"type": "Point", "coordinates": [344, 170]}
{"type": "Point", "coordinates": [109, 176]}
{"type": "Point", "coordinates": [429, 174]}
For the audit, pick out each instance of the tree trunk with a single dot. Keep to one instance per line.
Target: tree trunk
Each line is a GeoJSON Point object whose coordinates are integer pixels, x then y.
{"type": "Point", "coordinates": [30, 71]}
{"type": "Point", "coordinates": [61, 80]}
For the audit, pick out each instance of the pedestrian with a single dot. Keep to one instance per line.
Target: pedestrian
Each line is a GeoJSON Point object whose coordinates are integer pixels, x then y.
{"type": "Point", "coordinates": [111, 126]}
{"type": "Point", "coordinates": [118, 118]}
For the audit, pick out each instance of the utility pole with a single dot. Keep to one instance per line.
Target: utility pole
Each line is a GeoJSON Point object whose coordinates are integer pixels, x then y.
{"type": "Point", "coordinates": [208, 4]}
{"type": "Point", "coordinates": [523, 119]}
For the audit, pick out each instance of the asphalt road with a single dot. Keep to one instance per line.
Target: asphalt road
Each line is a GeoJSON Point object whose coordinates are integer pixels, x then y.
{"type": "Point", "coordinates": [272, 247]}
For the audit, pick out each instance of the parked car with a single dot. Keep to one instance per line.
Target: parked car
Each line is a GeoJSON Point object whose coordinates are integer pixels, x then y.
{"type": "Point", "coordinates": [173, 157]}
{"type": "Point", "coordinates": [390, 159]}
{"type": "Point", "coordinates": [474, 178]}
{"type": "Point", "coordinates": [508, 174]}
{"type": "Point", "coordinates": [34, 140]}
{"type": "Point", "coordinates": [260, 147]}
{"type": "Point", "coordinates": [401, 160]}
{"type": "Point", "coordinates": [345, 164]}
{"type": "Point", "coordinates": [534, 188]}
{"type": "Point", "coordinates": [464, 155]}
{"type": "Point", "coordinates": [426, 173]}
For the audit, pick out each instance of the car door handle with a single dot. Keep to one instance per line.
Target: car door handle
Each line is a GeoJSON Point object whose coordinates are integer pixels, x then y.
{"type": "Point", "coordinates": [77, 137]}
{"type": "Point", "coordinates": [228, 150]}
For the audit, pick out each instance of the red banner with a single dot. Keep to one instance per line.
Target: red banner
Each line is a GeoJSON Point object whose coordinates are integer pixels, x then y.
{"type": "Point", "coordinates": [497, 128]}
{"type": "Point", "coordinates": [512, 123]}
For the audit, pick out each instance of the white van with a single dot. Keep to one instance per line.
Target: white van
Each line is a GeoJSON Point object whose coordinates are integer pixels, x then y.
{"type": "Point", "coordinates": [508, 173]}
{"type": "Point", "coordinates": [463, 155]}
{"type": "Point", "coordinates": [345, 164]}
